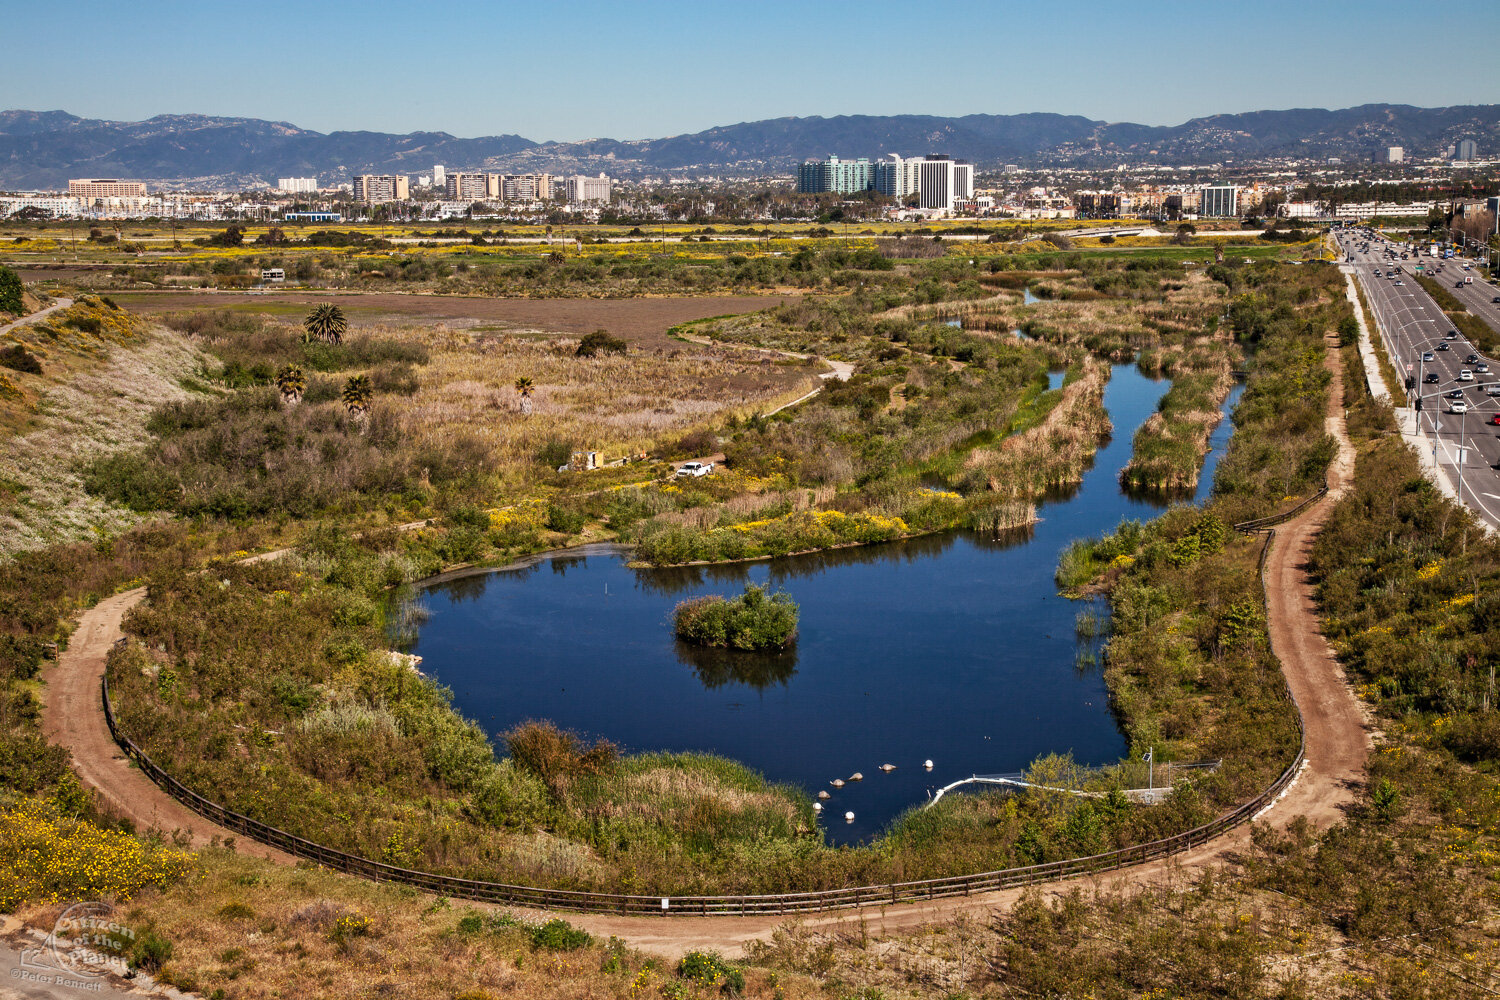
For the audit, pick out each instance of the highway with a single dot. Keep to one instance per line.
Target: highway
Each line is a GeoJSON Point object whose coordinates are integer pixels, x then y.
{"type": "Point", "coordinates": [1418, 330]}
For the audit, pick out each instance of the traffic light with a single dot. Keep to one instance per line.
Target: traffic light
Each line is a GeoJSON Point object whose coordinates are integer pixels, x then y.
{"type": "Point", "coordinates": [1411, 383]}
{"type": "Point", "coordinates": [1418, 405]}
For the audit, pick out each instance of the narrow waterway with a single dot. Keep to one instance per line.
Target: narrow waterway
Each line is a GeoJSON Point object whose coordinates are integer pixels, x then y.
{"type": "Point", "coordinates": [954, 648]}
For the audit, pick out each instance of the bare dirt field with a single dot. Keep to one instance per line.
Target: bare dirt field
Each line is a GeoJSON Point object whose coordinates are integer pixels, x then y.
{"type": "Point", "coordinates": [643, 321]}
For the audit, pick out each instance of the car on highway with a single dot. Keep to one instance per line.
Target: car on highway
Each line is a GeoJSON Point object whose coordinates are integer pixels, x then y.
{"type": "Point", "coordinates": [1454, 394]}
{"type": "Point", "coordinates": [1400, 282]}
{"type": "Point", "coordinates": [1444, 347]}
{"type": "Point", "coordinates": [1481, 368]}
{"type": "Point", "coordinates": [1458, 406]}
{"type": "Point", "coordinates": [1494, 419]}
{"type": "Point", "coordinates": [1428, 356]}
{"type": "Point", "coordinates": [1431, 378]}
{"type": "Point", "coordinates": [1466, 376]}
{"type": "Point", "coordinates": [1451, 335]}
{"type": "Point", "coordinates": [1493, 389]}
{"type": "Point", "coordinates": [1472, 359]}
{"type": "Point", "coordinates": [1496, 299]}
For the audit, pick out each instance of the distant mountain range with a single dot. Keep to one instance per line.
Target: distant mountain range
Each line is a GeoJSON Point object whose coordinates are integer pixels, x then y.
{"type": "Point", "coordinates": [43, 149]}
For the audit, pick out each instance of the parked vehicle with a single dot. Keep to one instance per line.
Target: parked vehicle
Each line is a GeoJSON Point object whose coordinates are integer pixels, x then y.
{"type": "Point", "coordinates": [688, 469]}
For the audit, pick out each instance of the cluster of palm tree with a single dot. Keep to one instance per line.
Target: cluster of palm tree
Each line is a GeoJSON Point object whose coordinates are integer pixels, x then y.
{"type": "Point", "coordinates": [325, 323]}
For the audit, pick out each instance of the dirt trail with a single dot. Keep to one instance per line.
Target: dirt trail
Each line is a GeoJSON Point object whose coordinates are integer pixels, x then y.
{"type": "Point", "coordinates": [73, 717]}
{"type": "Point", "coordinates": [39, 314]}
{"type": "Point", "coordinates": [1337, 741]}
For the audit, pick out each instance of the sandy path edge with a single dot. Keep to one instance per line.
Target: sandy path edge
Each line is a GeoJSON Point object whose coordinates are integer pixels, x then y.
{"type": "Point", "coordinates": [1336, 733]}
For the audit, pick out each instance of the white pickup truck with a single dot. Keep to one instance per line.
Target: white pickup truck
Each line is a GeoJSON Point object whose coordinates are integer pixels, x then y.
{"type": "Point", "coordinates": [694, 469]}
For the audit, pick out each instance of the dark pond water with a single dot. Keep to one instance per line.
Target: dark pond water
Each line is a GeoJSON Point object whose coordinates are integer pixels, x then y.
{"type": "Point", "coordinates": [954, 648]}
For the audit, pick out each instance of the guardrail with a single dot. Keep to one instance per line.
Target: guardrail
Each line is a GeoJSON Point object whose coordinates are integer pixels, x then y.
{"type": "Point", "coordinates": [777, 903]}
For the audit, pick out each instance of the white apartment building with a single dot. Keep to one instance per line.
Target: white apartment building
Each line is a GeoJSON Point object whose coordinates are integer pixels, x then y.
{"type": "Point", "coordinates": [581, 188]}
{"type": "Point", "coordinates": [439, 175]}
{"type": "Point", "coordinates": [1394, 154]}
{"type": "Point", "coordinates": [59, 207]}
{"type": "Point", "coordinates": [297, 185]}
{"type": "Point", "coordinates": [937, 181]}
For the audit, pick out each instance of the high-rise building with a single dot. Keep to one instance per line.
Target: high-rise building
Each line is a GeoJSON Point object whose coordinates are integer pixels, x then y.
{"type": "Point", "coordinates": [835, 176]}
{"type": "Point", "coordinates": [472, 187]}
{"type": "Point", "coordinates": [439, 175]}
{"type": "Point", "coordinates": [297, 185]}
{"type": "Point", "coordinates": [1394, 154]}
{"type": "Point", "coordinates": [106, 187]}
{"type": "Point", "coordinates": [1468, 150]}
{"type": "Point", "coordinates": [581, 188]}
{"type": "Point", "coordinates": [1219, 201]}
{"type": "Point", "coordinates": [372, 189]}
{"type": "Point", "coordinates": [526, 187]}
{"type": "Point", "coordinates": [937, 181]}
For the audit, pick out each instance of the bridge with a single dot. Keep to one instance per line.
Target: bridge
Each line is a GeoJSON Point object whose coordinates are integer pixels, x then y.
{"type": "Point", "coordinates": [1016, 780]}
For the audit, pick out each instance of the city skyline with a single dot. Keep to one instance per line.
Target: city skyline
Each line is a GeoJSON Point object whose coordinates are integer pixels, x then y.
{"type": "Point", "coordinates": [677, 69]}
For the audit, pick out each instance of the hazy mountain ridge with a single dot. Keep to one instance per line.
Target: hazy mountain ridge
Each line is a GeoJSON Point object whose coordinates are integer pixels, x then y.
{"type": "Point", "coordinates": [44, 149]}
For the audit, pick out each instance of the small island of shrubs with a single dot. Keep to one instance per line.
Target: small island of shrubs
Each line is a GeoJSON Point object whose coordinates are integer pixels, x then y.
{"type": "Point", "coordinates": [755, 619]}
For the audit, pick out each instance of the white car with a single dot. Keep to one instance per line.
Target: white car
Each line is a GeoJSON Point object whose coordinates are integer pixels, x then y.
{"type": "Point", "coordinates": [1493, 389]}
{"type": "Point", "coordinates": [1466, 376]}
{"type": "Point", "coordinates": [1458, 406]}
{"type": "Point", "coordinates": [704, 468]}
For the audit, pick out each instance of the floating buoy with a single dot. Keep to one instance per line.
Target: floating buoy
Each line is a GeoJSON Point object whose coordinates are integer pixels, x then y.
{"type": "Point", "coordinates": [887, 768]}
{"type": "Point", "coordinates": [837, 782]}
{"type": "Point", "coordinates": [856, 776]}
{"type": "Point", "coordinates": [927, 764]}
{"type": "Point", "coordinates": [824, 794]}
{"type": "Point", "coordinates": [849, 817]}
{"type": "Point", "coordinates": [817, 807]}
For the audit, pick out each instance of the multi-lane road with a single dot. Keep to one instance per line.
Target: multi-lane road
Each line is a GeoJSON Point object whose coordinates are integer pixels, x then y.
{"type": "Point", "coordinates": [1451, 374]}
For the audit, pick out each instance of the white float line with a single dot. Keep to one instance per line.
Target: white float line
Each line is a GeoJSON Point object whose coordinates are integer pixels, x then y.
{"type": "Point", "coordinates": [1290, 785]}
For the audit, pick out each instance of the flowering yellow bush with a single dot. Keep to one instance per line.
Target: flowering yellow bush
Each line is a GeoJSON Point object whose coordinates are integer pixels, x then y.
{"type": "Point", "coordinates": [47, 857]}
{"type": "Point", "coordinates": [526, 514]}
{"type": "Point", "coordinates": [1431, 570]}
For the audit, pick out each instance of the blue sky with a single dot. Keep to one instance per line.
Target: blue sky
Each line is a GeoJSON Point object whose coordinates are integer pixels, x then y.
{"type": "Point", "coordinates": [654, 68]}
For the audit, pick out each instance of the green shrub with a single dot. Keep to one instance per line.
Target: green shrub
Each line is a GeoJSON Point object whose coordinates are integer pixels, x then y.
{"type": "Point", "coordinates": [600, 342]}
{"type": "Point", "coordinates": [565, 519]}
{"type": "Point", "coordinates": [11, 291]}
{"type": "Point", "coordinates": [753, 620]}
{"type": "Point", "coordinates": [151, 952]}
{"type": "Point", "coordinates": [17, 358]}
{"type": "Point", "coordinates": [559, 935]}
{"type": "Point", "coordinates": [707, 969]}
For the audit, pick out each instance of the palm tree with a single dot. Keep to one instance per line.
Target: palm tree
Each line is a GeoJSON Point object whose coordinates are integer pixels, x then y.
{"type": "Point", "coordinates": [357, 395]}
{"type": "Point", "coordinates": [325, 323]}
{"type": "Point", "coordinates": [525, 387]}
{"type": "Point", "coordinates": [289, 380]}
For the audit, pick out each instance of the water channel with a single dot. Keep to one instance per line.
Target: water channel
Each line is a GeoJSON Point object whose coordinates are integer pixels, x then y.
{"type": "Point", "coordinates": [954, 648]}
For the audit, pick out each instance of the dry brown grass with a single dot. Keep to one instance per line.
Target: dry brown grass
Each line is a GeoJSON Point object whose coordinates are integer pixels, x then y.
{"type": "Point", "coordinates": [1054, 453]}
{"type": "Point", "coordinates": [614, 404]}
{"type": "Point", "coordinates": [84, 404]}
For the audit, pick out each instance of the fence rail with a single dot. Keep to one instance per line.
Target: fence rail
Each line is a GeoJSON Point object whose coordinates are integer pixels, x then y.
{"type": "Point", "coordinates": [778, 903]}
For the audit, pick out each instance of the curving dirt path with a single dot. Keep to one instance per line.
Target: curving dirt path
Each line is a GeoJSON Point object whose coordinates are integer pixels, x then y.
{"type": "Point", "coordinates": [1337, 744]}
{"type": "Point", "coordinates": [73, 717]}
